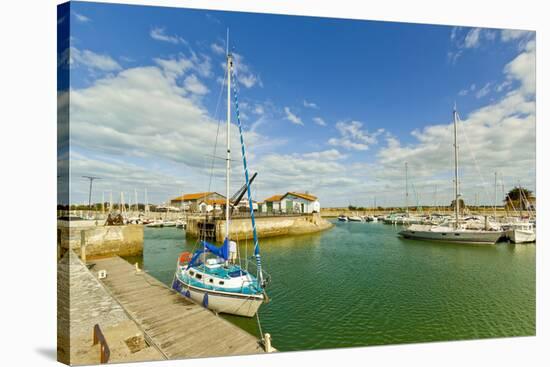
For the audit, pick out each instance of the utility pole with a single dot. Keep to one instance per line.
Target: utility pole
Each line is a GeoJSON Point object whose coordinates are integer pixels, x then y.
{"type": "Point", "coordinates": [91, 178]}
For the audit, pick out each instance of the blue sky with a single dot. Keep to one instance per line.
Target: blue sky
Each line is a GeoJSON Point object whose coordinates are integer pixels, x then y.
{"type": "Point", "coordinates": [334, 107]}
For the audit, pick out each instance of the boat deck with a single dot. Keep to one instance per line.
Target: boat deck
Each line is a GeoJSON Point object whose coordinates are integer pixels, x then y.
{"type": "Point", "coordinates": [173, 324]}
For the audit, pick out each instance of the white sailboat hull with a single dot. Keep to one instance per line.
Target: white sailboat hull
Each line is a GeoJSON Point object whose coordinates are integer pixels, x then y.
{"type": "Point", "coordinates": [454, 236]}
{"type": "Point", "coordinates": [222, 302]}
{"type": "Point", "coordinates": [521, 236]}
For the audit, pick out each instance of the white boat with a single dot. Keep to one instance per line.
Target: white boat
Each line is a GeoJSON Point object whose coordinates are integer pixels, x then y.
{"type": "Point", "coordinates": [355, 218]}
{"type": "Point", "coordinates": [450, 234]}
{"type": "Point", "coordinates": [459, 230]}
{"type": "Point", "coordinates": [213, 275]}
{"type": "Point", "coordinates": [342, 218]}
{"type": "Point", "coordinates": [157, 223]}
{"type": "Point", "coordinates": [521, 232]}
{"type": "Point", "coordinates": [181, 224]}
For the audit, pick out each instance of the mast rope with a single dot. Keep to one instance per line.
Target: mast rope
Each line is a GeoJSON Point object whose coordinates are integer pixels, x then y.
{"type": "Point", "coordinates": [249, 194]}
{"type": "Point", "coordinates": [483, 182]}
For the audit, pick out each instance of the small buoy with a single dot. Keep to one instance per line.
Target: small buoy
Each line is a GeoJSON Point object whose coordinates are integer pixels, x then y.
{"type": "Point", "coordinates": [102, 274]}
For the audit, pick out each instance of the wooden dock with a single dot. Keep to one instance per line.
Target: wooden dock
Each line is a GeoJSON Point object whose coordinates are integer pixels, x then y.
{"type": "Point", "coordinates": [176, 326]}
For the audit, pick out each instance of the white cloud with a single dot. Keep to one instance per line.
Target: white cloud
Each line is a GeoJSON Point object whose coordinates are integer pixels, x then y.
{"type": "Point", "coordinates": [513, 34]}
{"type": "Point", "coordinates": [258, 109]}
{"type": "Point", "coordinates": [482, 92]}
{"type": "Point", "coordinates": [353, 137]}
{"type": "Point", "coordinates": [176, 67]}
{"type": "Point", "coordinates": [292, 117]}
{"type": "Point", "coordinates": [120, 176]}
{"type": "Point", "coordinates": [81, 17]}
{"type": "Point", "coordinates": [330, 155]}
{"type": "Point", "coordinates": [194, 85]}
{"type": "Point", "coordinates": [243, 72]}
{"type": "Point", "coordinates": [92, 60]}
{"type": "Point", "coordinates": [310, 105]}
{"type": "Point", "coordinates": [465, 91]}
{"type": "Point", "coordinates": [145, 113]}
{"type": "Point", "coordinates": [489, 138]}
{"type": "Point", "coordinates": [159, 34]}
{"type": "Point", "coordinates": [522, 68]}
{"type": "Point", "coordinates": [472, 38]}
{"type": "Point", "coordinates": [319, 121]}
{"type": "Point", "coordinates": [217, 49]}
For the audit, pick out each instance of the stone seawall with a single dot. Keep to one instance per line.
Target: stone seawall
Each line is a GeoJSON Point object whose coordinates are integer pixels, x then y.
{"type": "Point", "coordinates": [98, 240]}
{"type": "Point", "coordinates": [241, 228]}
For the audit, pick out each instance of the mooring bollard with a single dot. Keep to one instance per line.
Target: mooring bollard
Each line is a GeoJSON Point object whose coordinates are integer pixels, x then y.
{"type": "Point", "coordinates": [83, 246]}
{"type": "Point", "coordinates": [267, 343]}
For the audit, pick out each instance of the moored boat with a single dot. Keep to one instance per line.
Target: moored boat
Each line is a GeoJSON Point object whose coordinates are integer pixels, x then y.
{"type": "Point", "coordinates": [212, 275]}
{"type": "Point", "coordinates": [355, 218]}
{"type": "Point", "coordinates": [521, 232]}
{"type": "Point", "coordinates": [342, 218]}
{"type": "Point", "coordinates": [450, 234]}
{"type": "Point", "coordinates": [465, 230]}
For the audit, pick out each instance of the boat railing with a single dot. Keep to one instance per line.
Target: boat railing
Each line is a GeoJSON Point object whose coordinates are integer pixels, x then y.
{"type": "Point", "coordinates": [104, 351]}
{"type": "Point", "coordinates": [251, 263]}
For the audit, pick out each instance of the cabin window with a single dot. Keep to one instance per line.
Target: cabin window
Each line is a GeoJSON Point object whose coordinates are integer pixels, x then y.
{"type": "Point", "coordinates": [443, 234]}
{"type": "Point", "coordinates": [457, 234]}
{"type": "Point", "coordinates": [221, 282]}
{"type": "Point", "coordinates": [192, 273]}
{"type": "Point", "coordinates": [211, 280]}
{"type": "Point", "coordinates": [198, 276]}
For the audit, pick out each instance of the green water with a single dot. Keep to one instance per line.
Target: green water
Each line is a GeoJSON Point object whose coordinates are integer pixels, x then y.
{"type": "Point", "coordinates": [359, 284]}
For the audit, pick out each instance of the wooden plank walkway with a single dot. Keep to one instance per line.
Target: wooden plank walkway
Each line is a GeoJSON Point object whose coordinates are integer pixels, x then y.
{"type": "Point", "coordinates": [175, 325]}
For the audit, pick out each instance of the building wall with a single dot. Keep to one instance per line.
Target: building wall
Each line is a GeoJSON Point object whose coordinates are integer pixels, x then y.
{"type": "Point", "coordinates": [296, 202]}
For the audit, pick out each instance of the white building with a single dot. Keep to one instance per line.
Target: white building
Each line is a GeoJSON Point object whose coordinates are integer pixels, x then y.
{"type": "Point", "coordinates": [291, 202]}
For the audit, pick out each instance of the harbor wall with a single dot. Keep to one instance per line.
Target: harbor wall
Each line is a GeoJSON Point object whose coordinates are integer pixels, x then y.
{"type": "Point", "coordinates": [241, 228]}
{"type": "Point", "coordinates": [335, 212]}
{"type": "Point", "coordinates": [96, 241]}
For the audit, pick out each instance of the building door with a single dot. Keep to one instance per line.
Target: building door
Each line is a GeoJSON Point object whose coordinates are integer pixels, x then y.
{"type": "Point", "coordinates": [289, 206]}
{"type": "Point", "coordinates": [269, 205]}
{"type": "Point", "coordinates": [302, 208]}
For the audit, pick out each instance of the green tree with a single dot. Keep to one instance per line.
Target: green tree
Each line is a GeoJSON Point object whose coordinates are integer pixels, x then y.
{"type": "Point", "coordinates": [519, 198]}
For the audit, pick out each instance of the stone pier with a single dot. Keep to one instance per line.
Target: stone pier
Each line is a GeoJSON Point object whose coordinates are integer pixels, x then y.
{"type": "Point", "coordinates": [93, 240]}
{"type": "Point", "coordinates": [266, 226]}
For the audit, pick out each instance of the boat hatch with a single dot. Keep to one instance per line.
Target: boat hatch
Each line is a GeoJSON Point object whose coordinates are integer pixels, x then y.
{"type": "Point", "coordinates": [236, 273]}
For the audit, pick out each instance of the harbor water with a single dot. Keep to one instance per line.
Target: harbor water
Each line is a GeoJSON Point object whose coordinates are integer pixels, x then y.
{"type": "Point", "coordinates": [359, 284]}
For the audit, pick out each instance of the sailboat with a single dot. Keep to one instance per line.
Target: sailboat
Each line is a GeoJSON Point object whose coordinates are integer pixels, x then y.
{"type": "Point", "coordinates": [455, 231]}
{"type": "Point", "coordinates": [211, 275]}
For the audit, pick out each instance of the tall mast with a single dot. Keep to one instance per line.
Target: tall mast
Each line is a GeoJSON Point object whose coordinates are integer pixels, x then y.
{"type": "Point", "coordinates": [495, 206]}
{"type": "Point", "coordinates": [146, 203]}
{"type": "Point", "coordinates": [457, 203]}
{"type": "Point", "coordinates": [407, 186]}
{"type": "Point", "coordinates": [228, 160]}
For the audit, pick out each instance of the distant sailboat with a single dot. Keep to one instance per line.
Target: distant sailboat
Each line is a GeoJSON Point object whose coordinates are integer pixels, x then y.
{"type": "Point", "coordinates": [454, 231]}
